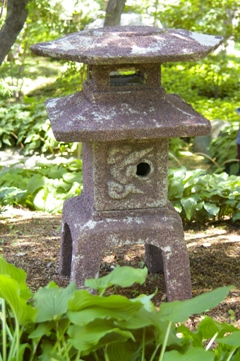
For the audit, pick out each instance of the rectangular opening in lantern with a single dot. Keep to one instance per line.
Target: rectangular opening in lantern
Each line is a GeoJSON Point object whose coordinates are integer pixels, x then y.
{"type": "Point", "coordinates": [127, 77]}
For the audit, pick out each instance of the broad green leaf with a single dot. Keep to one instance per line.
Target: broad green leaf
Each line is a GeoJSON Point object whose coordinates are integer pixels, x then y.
{"type": "Point", "coordinates": [146, 301]}
{"type": "Point", "coordinates": [10, 292]}
{"type": "Point", "coordinates": [193, 354]}
{"type": "Point", "coordinates": [236, 216]}
{"type": "Point", "coordinates": [155, 328]}
{"type": "Point", "coordinates": [39, 199]}
{"type": "Point", "coordinates": [231, 340]}
{"type": "Point", "coordinates": [120, 276]}
{"type": "Point", "coordinates": [141, 319]}
{"type": "Point", "coordinates": [211, 208]}
{"type": "Point", "coordinates": [175, 188]}
{"type": "Point", "coordinates": [41, 329]}
{"type": "Point", "coordinates": [71, 177]}
{"type": "Point", "coordinates": [18, 275]}
{"type": "Point", "coordinates": [189, 204]}
{"type": "Point", "coordinates": [127, 351]}
{"type": "Point", "coordinates": [36, 182]}
{"type": "Point", "coordinates": [179, 311]}
{"type": "Point", "coordinates": [208, 327]}
{"type": "Point", "coordinates": [84, 307]}
{"type": "Point", "coordinates": [52, 302]}
{"type": "Point", "coordinates": [226, 328]}
{"type": "Point", "coordinates": [96, 334]}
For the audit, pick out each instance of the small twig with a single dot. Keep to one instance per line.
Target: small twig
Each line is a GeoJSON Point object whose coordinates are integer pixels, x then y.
{"type": "Point", "coordinates": [208, 157]}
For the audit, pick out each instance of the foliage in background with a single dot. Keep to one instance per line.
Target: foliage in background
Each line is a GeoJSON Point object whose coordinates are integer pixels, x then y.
{"type": "Point", "coordinates": [46, 20]}
{"type": "Point", "coordinates": [211, 86]}
{"type": "Point", "coordinates": [25, 125]}
{"type": "Point", "coordinates": [199, 196]}
{"type": "Point", "coordinates": [196, 195]}
{"type": "Point", "coordinates": [70, 324]}
{"type": "Point", "coordinates": [209, 17]}
{"type": "Point", "coordinates": [223, 148]}
{"type": "Point", "coordinates": [44, 188]}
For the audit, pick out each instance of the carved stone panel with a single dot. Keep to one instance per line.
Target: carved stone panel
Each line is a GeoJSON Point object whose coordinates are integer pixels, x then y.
{"type": "Point", "coordinates": [129, 174]}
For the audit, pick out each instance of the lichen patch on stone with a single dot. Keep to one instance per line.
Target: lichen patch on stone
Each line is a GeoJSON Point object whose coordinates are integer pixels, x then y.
{"type": "Point", "coordinates": [205, 40]}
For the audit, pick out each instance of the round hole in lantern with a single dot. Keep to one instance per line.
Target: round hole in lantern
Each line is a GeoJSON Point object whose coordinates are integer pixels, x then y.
{"type": "Point", "coordinates": [143, 169]}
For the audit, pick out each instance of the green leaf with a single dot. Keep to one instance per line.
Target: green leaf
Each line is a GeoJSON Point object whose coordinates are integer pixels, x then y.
{"type": "Point", "coordinates": [52, 301]}
{"type": "Point", "coordinates": [175, 188]}
{"type": "Point", "coordinates": [10, 292]}
{"type": "Point", "coordinates": [36, 182]}
{"type": "Point", "coordinates": [212, 209]}
{"type": "Point", "coordinates": [41, 330]}
{"type": "Point", "coordinates": [231, 340]}
{"type": "Point", "coordinates": [179, 311]}
{"type": "Point", "coordinates": [127, 351]}
{"type": "Point", "coordinates": [146, 301]}
{"type": "Point", "coordinates": [71, 177]}
{"type": "Point", "coordinates": [189, 204]}
{"type": "Point", "coordinates": [96, 334]}
{"type": "Point", "coordinates": [18, 275]}
{"type": "Point", "coordinates": [120, 276]}
{"type": "Point", "coordinates": [84, 307]}
{"type": "Point", "coordinates": [193, 354]}
{"type": "Point", "coordinates": [208, 327]}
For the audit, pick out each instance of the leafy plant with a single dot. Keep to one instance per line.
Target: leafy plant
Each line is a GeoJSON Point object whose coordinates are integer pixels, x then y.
{"type": "Point", "coordinates": [199, 196]}
{"type": "Point", "coordinates": [224, 148]}
{"type": "Point", "coordinates": [70, 324]}
{"type": "Point", "coordinates": [196, 195]}
{"type": "Point", "coordinates": [26, 125]}
{"type": "Point", "coordinates": [44, 188]}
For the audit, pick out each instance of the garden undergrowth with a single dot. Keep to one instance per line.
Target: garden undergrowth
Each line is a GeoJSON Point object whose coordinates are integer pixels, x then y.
{"type": "Point", "coordinates": [68, 324]}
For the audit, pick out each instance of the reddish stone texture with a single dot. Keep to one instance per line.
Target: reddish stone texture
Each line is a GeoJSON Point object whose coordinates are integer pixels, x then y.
{"type": "Point", "coordinates": [126, 115]}
{"type": "Point", "coordinates": [129, 45]}
{"type": "Point", "coordinates": [124, 118]}
{"type": "Point", "coordinates": [126, 174]}
{"type": "Point", "coordinates": [84, 239]}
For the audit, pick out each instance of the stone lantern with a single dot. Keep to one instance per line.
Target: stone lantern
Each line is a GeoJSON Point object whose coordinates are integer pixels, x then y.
{"type": "Point", "coordinates": [124, 119]}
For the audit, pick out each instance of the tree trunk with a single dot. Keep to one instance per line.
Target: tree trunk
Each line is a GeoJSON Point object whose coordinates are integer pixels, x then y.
{"type": "Point", "coordinates": [113, 12]}
{"type": "Point", "coordinates": [14, 22]}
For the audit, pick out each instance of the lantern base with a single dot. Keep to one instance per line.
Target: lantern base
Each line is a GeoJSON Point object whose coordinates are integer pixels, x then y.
{"type": "Point", "coordinates": [86, 235]}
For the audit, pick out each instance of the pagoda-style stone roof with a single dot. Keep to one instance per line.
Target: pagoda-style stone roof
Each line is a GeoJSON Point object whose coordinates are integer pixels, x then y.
{"type": "Point", "coordinates": [131, 116]}
{"type": "Point", "coordinates": [129, 45]}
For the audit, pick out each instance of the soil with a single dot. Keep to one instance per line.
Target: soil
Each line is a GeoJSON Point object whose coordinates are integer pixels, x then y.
{"type": "Point", "coordinates": [30, 240]}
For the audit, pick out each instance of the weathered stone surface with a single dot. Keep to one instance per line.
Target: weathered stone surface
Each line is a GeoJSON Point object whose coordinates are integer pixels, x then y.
{"type": "Point", "coordinates": [86, 238]}
{"type": "Point", "coordinates": [130, 116]}
{"type": "Point", "coordinates": [124, 118]}
{"type": "Point", "coordinates": [126, 44]}
{"type": "Point", "coordinates": [126, 175]}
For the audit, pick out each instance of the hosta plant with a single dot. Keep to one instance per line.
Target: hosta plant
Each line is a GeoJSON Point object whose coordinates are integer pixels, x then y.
{"type": "Point", "coordinates": [68, 324]}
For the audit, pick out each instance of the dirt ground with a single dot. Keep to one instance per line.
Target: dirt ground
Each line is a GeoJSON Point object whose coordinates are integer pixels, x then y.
{"type": "Point", "coordinates": [30, 240]}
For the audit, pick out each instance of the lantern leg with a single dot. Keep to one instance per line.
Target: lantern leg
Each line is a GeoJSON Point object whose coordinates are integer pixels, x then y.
{"type": "Point", "coordinates": [153, 259]}
{"type": "Point", "coordinates": [177, 271]}
{"type": "Point", "coordinates": [85, 237]}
